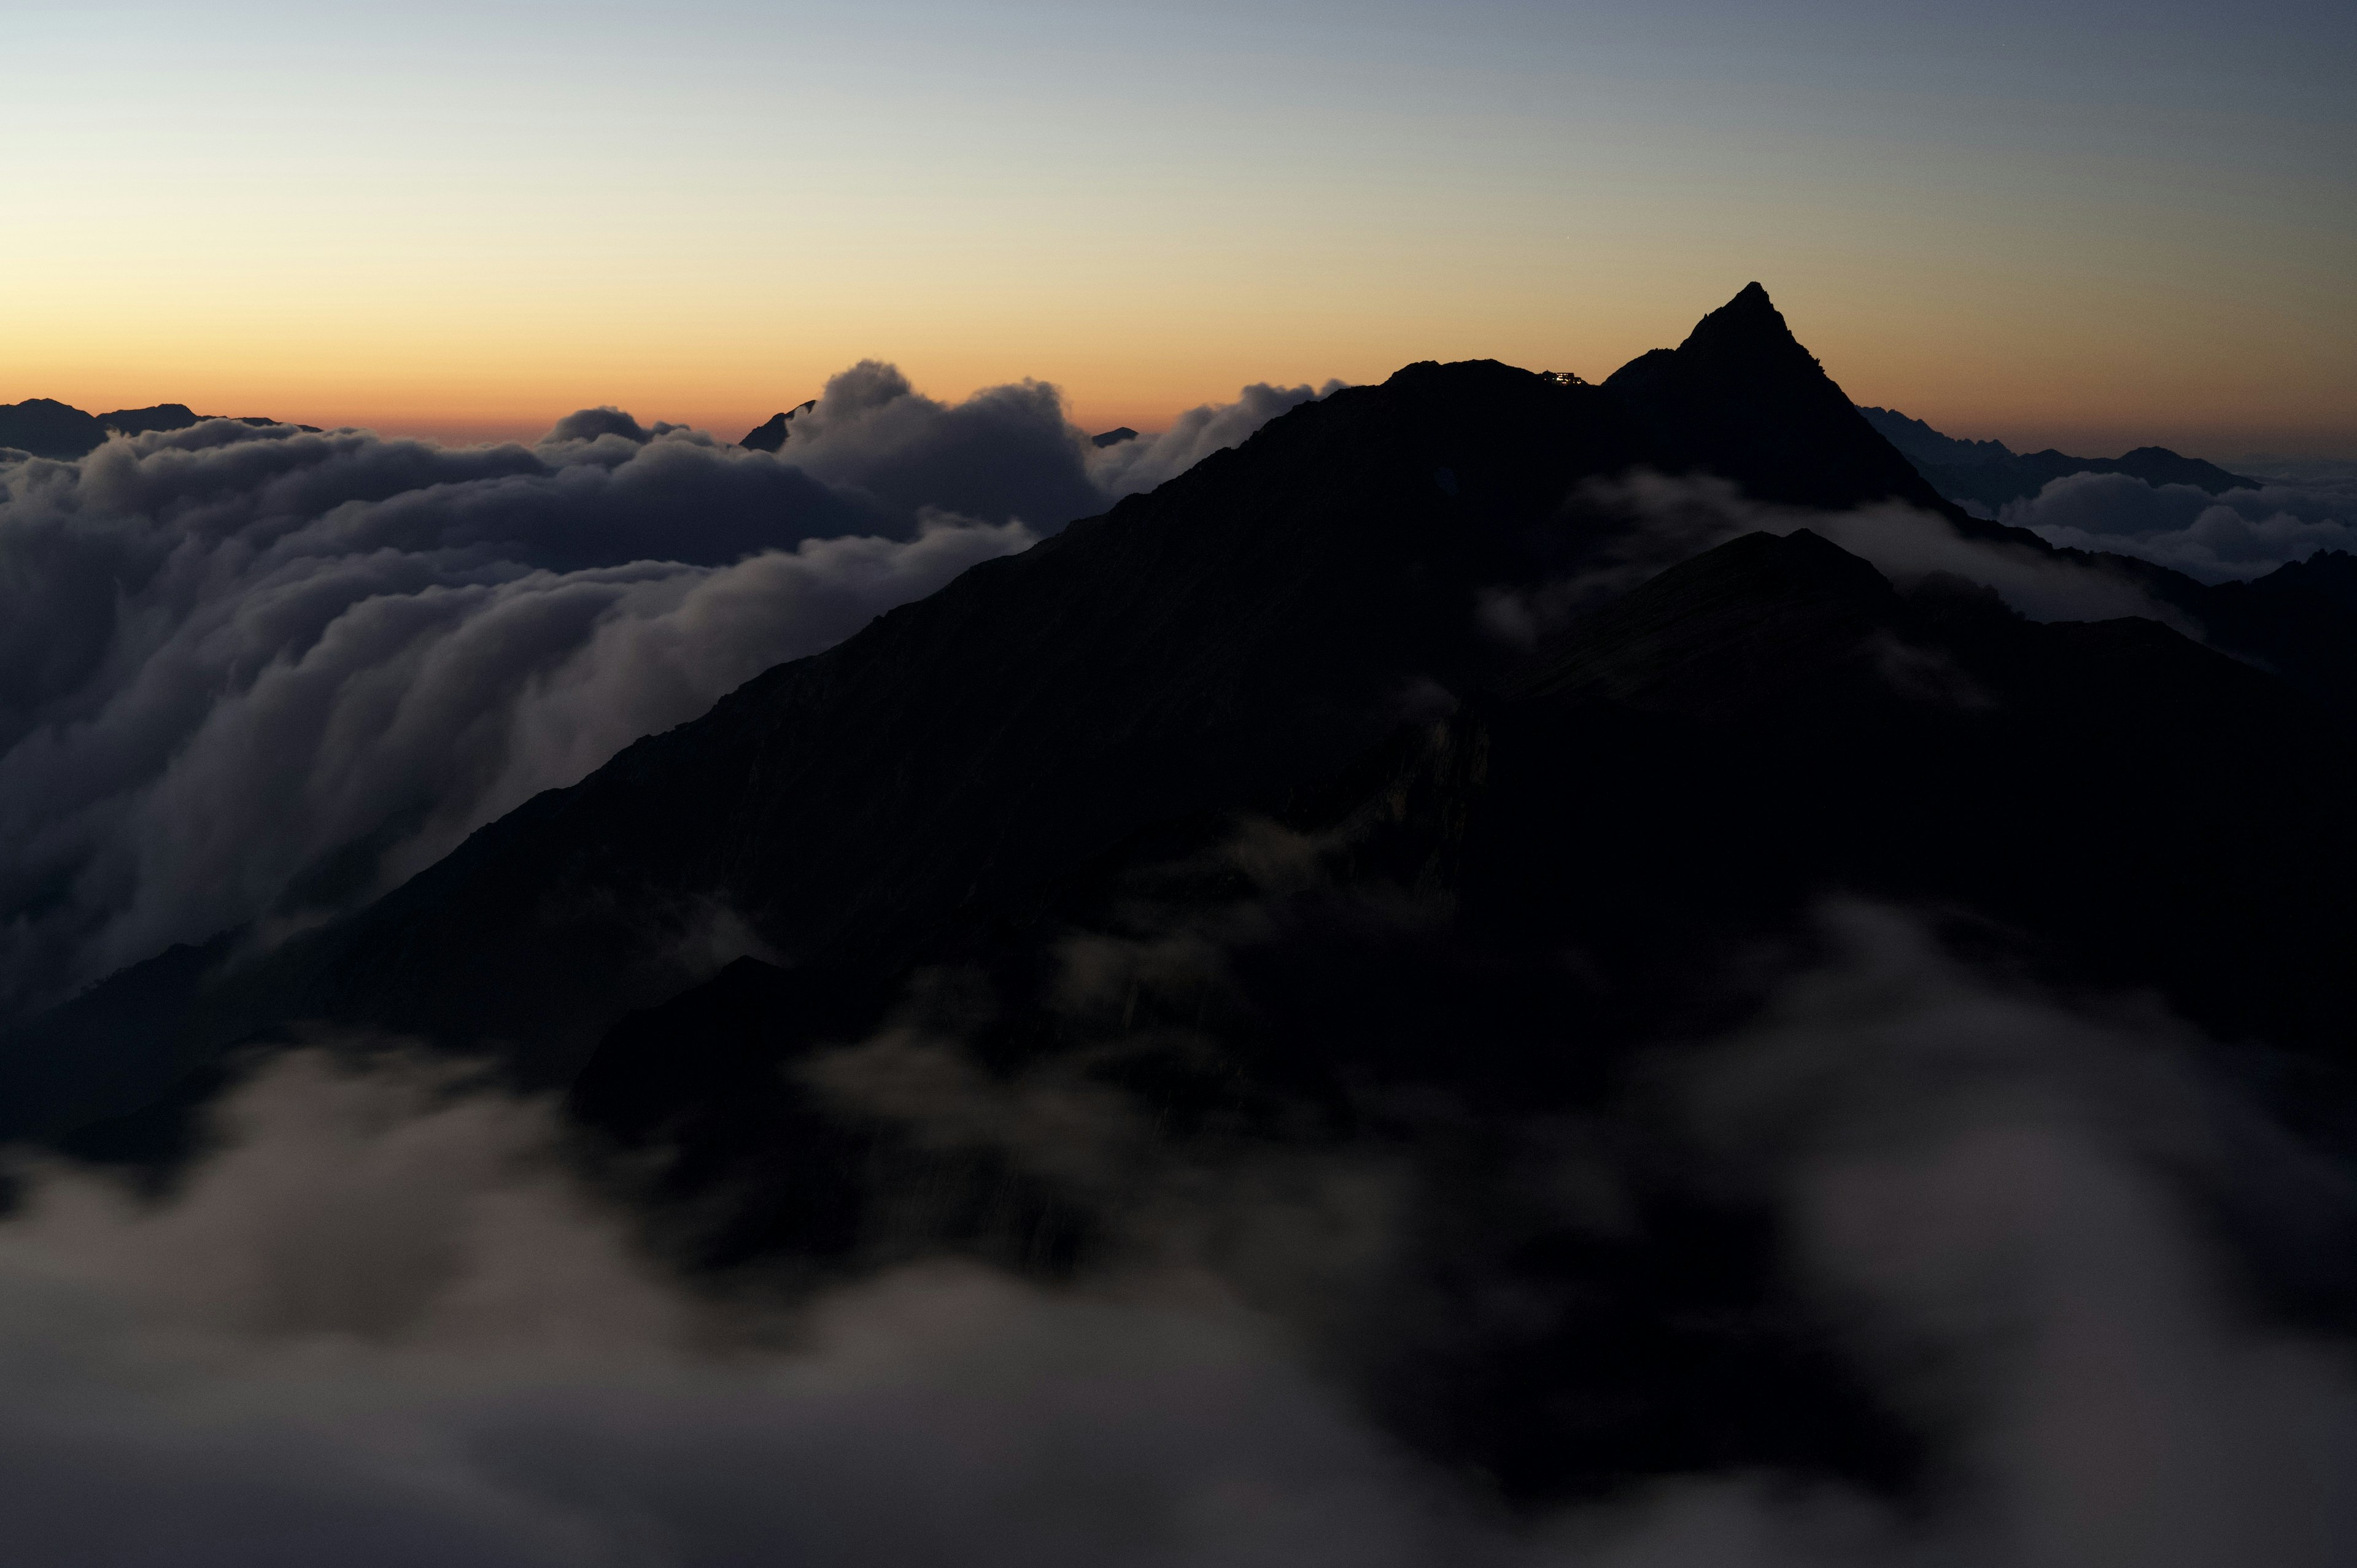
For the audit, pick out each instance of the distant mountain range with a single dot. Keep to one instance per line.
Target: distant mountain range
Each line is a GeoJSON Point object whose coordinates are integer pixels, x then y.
{"type": "Point", "coordinates": [47, 428]}
{"type": "Point", "coordinates": [1992, 474]}
{"type": "Point", "coordinates": [1227, 807]}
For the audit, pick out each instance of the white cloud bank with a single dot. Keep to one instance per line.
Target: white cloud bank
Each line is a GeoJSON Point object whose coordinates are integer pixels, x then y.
{"type": "Point", "coordinates": [1646, 522]}
{"type": "Point", "coordinates": [380, 1325]}
{"type": "Point", "coordinates": [2242, 534]}
{"type": "Point", "coordinates": [227, 655]}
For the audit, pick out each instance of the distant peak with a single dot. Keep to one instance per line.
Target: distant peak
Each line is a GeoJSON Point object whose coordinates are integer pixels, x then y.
{"type": "Point", "coordinates": [771, 434]}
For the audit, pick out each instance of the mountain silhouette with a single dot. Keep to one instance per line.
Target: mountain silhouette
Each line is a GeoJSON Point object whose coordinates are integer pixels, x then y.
{"type": "Point", "coordinates": [1244, 628]}
{"type": "Point", "coordinates": [1231, 810]}
{"type": "Point", "coordinates": [1673, 781]}
{"type": "Point", "coordinates": [47, 428]}
{"type": "Point", "coordinates": [771, 434]}
{"type": "Point", "coordinates": [1992, 474]}
{"type": "Point", "coordinates": [163, 416]}
{"type": "Point", "coordinates": [1743, 399]}
{"type": "Point", "coordinates": [1219, 643]}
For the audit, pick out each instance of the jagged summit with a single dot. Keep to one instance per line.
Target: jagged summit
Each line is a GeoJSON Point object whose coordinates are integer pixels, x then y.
{"type": "Point", "coordinates": [1928, 448]}
{"type": "Point", "coordinates": [1747, 328]}
{"type": "Point", "coordinates": [771, 434]}
{"type": "Point", "coordinates": [1742, 397]}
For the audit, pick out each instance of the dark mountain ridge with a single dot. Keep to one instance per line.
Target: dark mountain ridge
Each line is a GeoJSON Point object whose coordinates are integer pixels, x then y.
{"type": "Point", "coordinates": [1244, 628]}
{"type": "Point", "coordinates": [1992, 474]}
{"type": "Point", "coordinates": [1480, 927]}
{"type": "Point", "coordinates": [1241, 631]}
{"type": "Point", "coordinates": [1221, 822]}
{"type": "Point", "coordinates": [47, 428]}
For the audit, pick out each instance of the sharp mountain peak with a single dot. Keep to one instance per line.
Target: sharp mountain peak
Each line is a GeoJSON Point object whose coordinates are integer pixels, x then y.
{"type": "Point", "coordinates": [1748, 326]}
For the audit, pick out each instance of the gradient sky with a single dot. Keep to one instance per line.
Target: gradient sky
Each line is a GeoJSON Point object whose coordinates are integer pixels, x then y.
{"type": "Point", "coordinates": [2091, 225]}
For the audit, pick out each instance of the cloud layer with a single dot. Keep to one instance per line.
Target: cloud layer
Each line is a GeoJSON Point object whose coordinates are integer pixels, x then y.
{"type": "Point", "coordinates": [381, 1328]}
{"type": "Point", "coordinates": [381, 1325]}
{"type": "Point", "coordinates": [1137, 466]}
{"type": "Point", "coordinates": [268, 673]}
{"type": "Point", "coordinates": [1645, 522]}
{"type": "Point", "coordinates": [2239, 535]}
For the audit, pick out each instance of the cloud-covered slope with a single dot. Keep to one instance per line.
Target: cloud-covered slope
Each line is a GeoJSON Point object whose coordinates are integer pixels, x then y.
{"type": "Point", "coordinates": [1222, 641]}
{"type": "Point", "coordinates": [264, 672]}
{"type": "Point", "coordinates": [1429, 990]}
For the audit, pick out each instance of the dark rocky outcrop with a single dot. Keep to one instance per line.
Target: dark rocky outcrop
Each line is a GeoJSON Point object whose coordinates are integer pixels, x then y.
{"type": "Point", "coordinates": [771, 434]}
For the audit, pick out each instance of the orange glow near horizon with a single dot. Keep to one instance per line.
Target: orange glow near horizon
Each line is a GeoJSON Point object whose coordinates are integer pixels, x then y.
{"type": "Point", "coordinates": [2096, 385]}
{"type": "Point", "coordinates": [339, 220]}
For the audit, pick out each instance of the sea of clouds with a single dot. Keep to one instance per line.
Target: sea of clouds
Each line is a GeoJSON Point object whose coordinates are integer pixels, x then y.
{"type": "Point", "coordinates": [264, 673]}
{"type": "Point", "coordinates": [381, 1323]}
{"type": "Point", "coordinates": [2239, 535]}
{"type": "Point", "coordinates": [259, 675]}
{"type": "Point", "coordinates": [1644, 523]}
{"type": "Point", "coordinates": [382, 1319]}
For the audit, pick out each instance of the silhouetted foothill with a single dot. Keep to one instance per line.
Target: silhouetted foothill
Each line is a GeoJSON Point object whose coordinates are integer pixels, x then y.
{"type": "Point", "coordinates": [1112, 437]}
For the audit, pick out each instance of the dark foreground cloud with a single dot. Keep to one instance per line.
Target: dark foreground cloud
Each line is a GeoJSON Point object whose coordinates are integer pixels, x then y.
{"type": "Point", "coordinates": [380, 1325]}
{"type": "Point", "coordinates": [2242, 534]}
{"type": "Point", "coordinates": [266, 672]}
